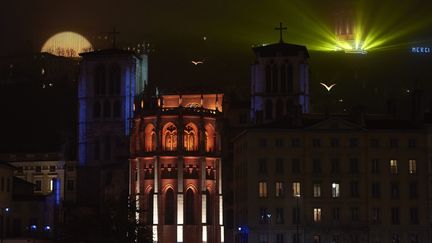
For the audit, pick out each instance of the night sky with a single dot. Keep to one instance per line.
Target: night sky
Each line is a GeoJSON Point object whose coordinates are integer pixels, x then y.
{"type": "Point", "coordinates": [176, 30]}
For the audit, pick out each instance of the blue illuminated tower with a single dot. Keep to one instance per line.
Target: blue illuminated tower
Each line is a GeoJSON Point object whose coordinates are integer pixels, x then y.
{"type": "Point", "coordinates": [280, 81]}
{"type": "Point", "coordinates": [109, 80]}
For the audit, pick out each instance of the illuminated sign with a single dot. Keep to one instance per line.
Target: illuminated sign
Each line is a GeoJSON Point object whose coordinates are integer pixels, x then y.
{"type": "Point", "coordinates": [420, 49]}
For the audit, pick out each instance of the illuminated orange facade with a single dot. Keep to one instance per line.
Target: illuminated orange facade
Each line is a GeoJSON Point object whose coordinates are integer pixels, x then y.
{"type": "Point", "coordinates": [175, 167]}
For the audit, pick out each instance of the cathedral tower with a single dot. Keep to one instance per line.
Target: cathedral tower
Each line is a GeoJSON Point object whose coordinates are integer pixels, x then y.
{"type": "Point", "coordinates": [176, 167]}
{"type": "Point", "coordinates": [280, 81]}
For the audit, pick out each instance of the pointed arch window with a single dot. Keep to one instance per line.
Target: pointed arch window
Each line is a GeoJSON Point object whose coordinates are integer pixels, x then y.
{"type": "Point", "coordinates": [106, 109]}
{"type": "Point", "coordinates": [96, 109]}
{"type": "Point", "coordinates": [210, 138]}
{"type": "Point", "coordinates": [189, 138]}
{"type": "Point", "coordinates": [99, 80]}
{"type": "Point", "coordinates": [275, 78]}
{"type": "Point", "coordinates": [269, 110]}
{"type": "Point", "coordinates": [190, 207]}
{"type": "Point", "coordinates": [170, 135]}
{"type": "Point", "coordinates": [268, 78]}
{"type": "Point", "coordinates": [150, 138]}
{"type": "Point", "coordinates": [117, 109]}
{"type": "Point", "coordinates": [279, 108]}
{"type": "Point", "coordinates": [169, 207]}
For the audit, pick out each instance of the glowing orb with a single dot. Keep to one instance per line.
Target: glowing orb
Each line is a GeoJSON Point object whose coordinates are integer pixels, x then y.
{"type": "Point", "coordinates": [67, 44]}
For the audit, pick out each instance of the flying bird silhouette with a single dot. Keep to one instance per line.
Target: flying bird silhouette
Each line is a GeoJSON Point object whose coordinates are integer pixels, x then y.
{"type": "Point", "coordinates": [197, 62]}
{"type": "Point", "coordinates": [328, 88]}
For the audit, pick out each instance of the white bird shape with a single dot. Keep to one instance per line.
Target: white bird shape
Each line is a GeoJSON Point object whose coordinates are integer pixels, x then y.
{"type": "Point", "coordinates": [196, 62]}
{"type": "Point", "coordinates": [328, 88]}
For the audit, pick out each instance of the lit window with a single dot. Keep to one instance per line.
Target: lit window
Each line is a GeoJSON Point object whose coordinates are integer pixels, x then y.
{"type": "Point", "coordinates": [279, 189]}
{"type": "Point", "coordinates": [51, 184]}
{"type": "Point", "coordinates": [189, 138]}
{"type": "Point", "coordinates": [412, 166]}
{"type": "Point", "coordinates": [335, 190]}
{"type": "Point", "coordinates": [262, 189]}
{"type": "Point", "coordinates": [317, 190]}
{"type": "Point", "coordinates": [171, 138]}
{"type": "Point", "coordinates": [317, 215]}
{"type": "Point", "coordinates": [296, 189]}
{"type": "Point", "coordinates": [393, 167]}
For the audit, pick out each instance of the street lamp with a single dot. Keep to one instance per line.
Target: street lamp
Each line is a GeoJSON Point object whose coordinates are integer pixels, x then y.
{"type": "Point", "coordinates": [3, 211]}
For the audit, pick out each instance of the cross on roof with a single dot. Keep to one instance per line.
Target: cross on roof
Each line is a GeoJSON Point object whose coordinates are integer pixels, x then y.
{"type": "Point", "coordinates": [114, 34]}
{"type": "Point", "coordinates": [280, 31]}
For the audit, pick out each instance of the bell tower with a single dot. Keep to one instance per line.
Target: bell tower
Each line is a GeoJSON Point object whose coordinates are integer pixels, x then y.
{"type": "Point", "coordinates": [280, 81]}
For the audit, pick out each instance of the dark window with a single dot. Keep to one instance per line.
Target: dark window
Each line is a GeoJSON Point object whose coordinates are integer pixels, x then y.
{"type": "Point", "coordinates": [355, 214]}
{"type": "Point", "coordinates": [279, 108]}
{"type": "Point", "coordinates": [107, 109]}
{"type": "Point", "coordinates": [2, 185]}
{"type": "Point", "coordinates": [376, 190]}
{"type": "Point", "coordinates": [334, 142]}
{"type": "Point", "coordinates": [269, 110]}
{"type": "Point", "coordinates": [283, 78]}
{"type": "Point", "coordinates": [38, 169]}
{"type": "Point", "coordinates": [395, 238]}
{"type": "Point", "coordinates": [413, 238]}
{"type": "Point", "coordinates": [279, 166]}
{"type": "Point", "coordinates": [117, 109]}
{"type": "Point", "coordinates": [316, 143]}
{"type": "Point", "coordinates": [289, 80]}
{"type": "Point", "coordinates": [38, 185]}
{"type": "Point", "coordinates": [336, 214]}
{"type": "Point", "coordinates": [395, 215]}
{"type": "Point", "coordinates": [279, 142]}
{"type": "Point", "coordinates": [414, 216]}
{"type": "Point", "coordinates": [354, 189]}
{"type": "Point", "coordinates": [279, 238]}
{"type": "Point", "coordinates": [115, 80]}
{"type": "Point", "coordinates": [99, 82]}
{"type": "Point", "coordinates": [169, 207]}
{"type": "Point", "coordinates": [52, 168]}
{"type": "Point", "coordinates": [353, 142]}
{"type": "Point", "coordinates": [262, 142]}
{"type": "Point", "coordinates": [107, 149]}
{"type": "Point", "coordinates": [295, 166]}
{"type": "Point", "coordinates": [374, 143]}
{"type": "Point", "coordinates": [413, 190]}
{"type": "Point", "coordinates": [149, 210]}
{"type": "Point", "coordinates": [394, 190]}
{"type": "Point", "coordinates": [295, 142]}
{"type": "Point", "coordinates": [262, 166]}
{"type": "Point", "coordinates": [316, 166]}
{"type": "Point", "coordinates": [70, 185]}
{"type": "Point", "coordinates": [411, 143]}
{"type": "Point", "coordinates": [8, 184]}
{"type": "Point", "coordinates": [394, 143]}
{"type": "Point", "coordinates": [190, 207]}
{"type": "Point", "coordinates": [96, 110]}
{"type": "Point", "coordinates": [296, 215]}
{"type": "Point", "coordinates": [279, 216]}
{"type": "Point", "coordinates": [96, 150]}
{"type": "Point", "coordinates": [375, 166]}
{"type": "Point", "coordinates": [275, 78]}
{"type": "Point", "coordinates": [209, 208]}
{"type": "Point", "coordinates": [354, 166]}
{"type": "Point", "coordinates": [335, 166]}
{"type": "Point", "coordinates": [268, 78]}
{"type": "Point", "coordinates": [376, 215]}
{"type": "Point", "coordinates": [265, 216]}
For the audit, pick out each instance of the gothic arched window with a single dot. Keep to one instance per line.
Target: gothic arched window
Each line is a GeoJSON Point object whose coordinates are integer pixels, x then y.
{"type": "Point", "coordinates": [117, 109]}
{"type": "Point", "coordinates": [279, 108]}
{"type": "Point", "coordinates": [170, 137]}
{"type": "Point", "coordinates": [209, 207]}
{"type": "Point", "coordinates": [99, 80]}
{"type": "Point", "coordinates": [190, 137]}
{"type": "Point", "coordinates": [106, 109]}
{"type": "Point", "coordinates": [283, 78]}
{"type": "Point", "coordinates": [269, 109]}
{"type": "Point", "coordinates": [150, 138]}
{"type": "Point", "coordinates": [210, 138]}
{"type": "Point", "coordinates": [169, 207]}
{"type": "Point", "coordinates": [268, 78]}
{"type": "Point", "coordinates": [115, 79]}
{"type": "Point", "coordinates": [190, 207]}
{"type": "Point", "coordinates": [96, 109]}
{"type": "Point", "coordinates": [275, 78]}
{"type": "Point", "coordinates": [290, 78]}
